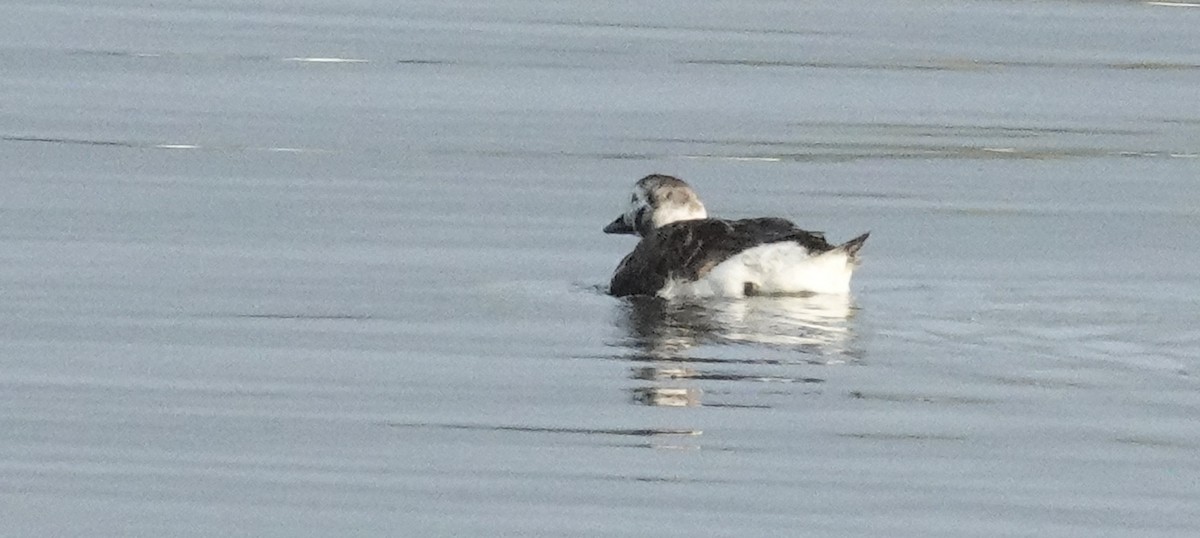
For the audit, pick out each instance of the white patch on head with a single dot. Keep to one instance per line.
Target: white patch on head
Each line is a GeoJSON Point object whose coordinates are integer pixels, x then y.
{"type": "Point", "coordinates": [673, 212]}
{"type": "Point", "coordinates": [667, 203]}
{"type": "Point", "coordinates": [660, 200]}
{"type": "Point", "coordinates": [776, 268]}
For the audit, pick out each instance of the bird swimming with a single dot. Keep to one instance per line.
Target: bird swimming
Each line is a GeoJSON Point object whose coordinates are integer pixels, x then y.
{"type": "Point", "coordinates": [684, 253]}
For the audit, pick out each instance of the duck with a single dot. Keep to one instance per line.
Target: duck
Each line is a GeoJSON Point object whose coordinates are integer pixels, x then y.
{"type": "Point", "coordinates": [683, 253]}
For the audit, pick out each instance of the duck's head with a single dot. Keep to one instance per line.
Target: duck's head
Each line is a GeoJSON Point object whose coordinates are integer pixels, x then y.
{"type": "Point", "coordinates": [657, 200]}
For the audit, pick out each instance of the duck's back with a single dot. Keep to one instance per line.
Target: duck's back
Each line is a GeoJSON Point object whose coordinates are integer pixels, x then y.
{"type": "Point", "coordinates": [708, 257]}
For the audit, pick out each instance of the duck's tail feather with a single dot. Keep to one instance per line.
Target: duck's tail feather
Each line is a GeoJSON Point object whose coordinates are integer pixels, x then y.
{"type": "Point", "coordinates": [852, 246]}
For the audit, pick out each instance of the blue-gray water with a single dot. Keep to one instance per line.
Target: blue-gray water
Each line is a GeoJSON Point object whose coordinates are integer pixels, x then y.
{"type": "Point", "coordinates": [245, 292]}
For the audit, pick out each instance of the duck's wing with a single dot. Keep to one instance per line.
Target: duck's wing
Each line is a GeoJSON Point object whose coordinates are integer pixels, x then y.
{"type": "Point", "coordinates": [690, 249]}
{"type": "Point", "coordinates": [760, 231]}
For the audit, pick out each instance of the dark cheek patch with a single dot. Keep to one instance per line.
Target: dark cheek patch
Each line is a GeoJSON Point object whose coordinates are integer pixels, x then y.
{"type": "Point", "coordinates": [640, 224]}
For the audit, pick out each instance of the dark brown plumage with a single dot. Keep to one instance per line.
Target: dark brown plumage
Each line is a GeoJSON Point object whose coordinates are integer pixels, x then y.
{"type": "Point", "coordinates": [689, 249]}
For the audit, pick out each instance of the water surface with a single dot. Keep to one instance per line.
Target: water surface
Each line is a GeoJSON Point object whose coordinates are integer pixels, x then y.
{"type": "Point", "coordinates": [323, 268]}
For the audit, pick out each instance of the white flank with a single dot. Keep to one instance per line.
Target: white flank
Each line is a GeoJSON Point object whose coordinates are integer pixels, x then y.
{"type": "Point", "coordinates": [777, 268]}
{"type": "Point", "coordinates": [176, 146]}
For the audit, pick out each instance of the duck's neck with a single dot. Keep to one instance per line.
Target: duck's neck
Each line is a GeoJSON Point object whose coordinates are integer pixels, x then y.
{"type": "Point", "coordinates": [675, 213]}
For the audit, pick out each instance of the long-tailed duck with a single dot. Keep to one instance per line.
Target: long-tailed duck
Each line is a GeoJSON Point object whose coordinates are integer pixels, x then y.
{"type": "Point", "coordinates": [683, 253]}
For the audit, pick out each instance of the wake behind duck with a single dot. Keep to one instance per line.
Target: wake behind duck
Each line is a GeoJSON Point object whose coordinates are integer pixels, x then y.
{"type": "Point", "coordinates": [683, 253]}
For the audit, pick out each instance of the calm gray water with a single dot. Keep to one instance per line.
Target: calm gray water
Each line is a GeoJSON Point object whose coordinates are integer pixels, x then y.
{"type": "Point", "coordinates": [249, 290]}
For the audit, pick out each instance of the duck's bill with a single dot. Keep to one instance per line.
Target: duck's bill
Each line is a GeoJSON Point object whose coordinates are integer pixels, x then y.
{"type": "Point", "coordinates": [619, 227]}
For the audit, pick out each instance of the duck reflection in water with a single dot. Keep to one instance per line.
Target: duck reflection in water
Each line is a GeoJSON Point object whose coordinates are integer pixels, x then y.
{"type": "Point", "coordinates": [667, 337]}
